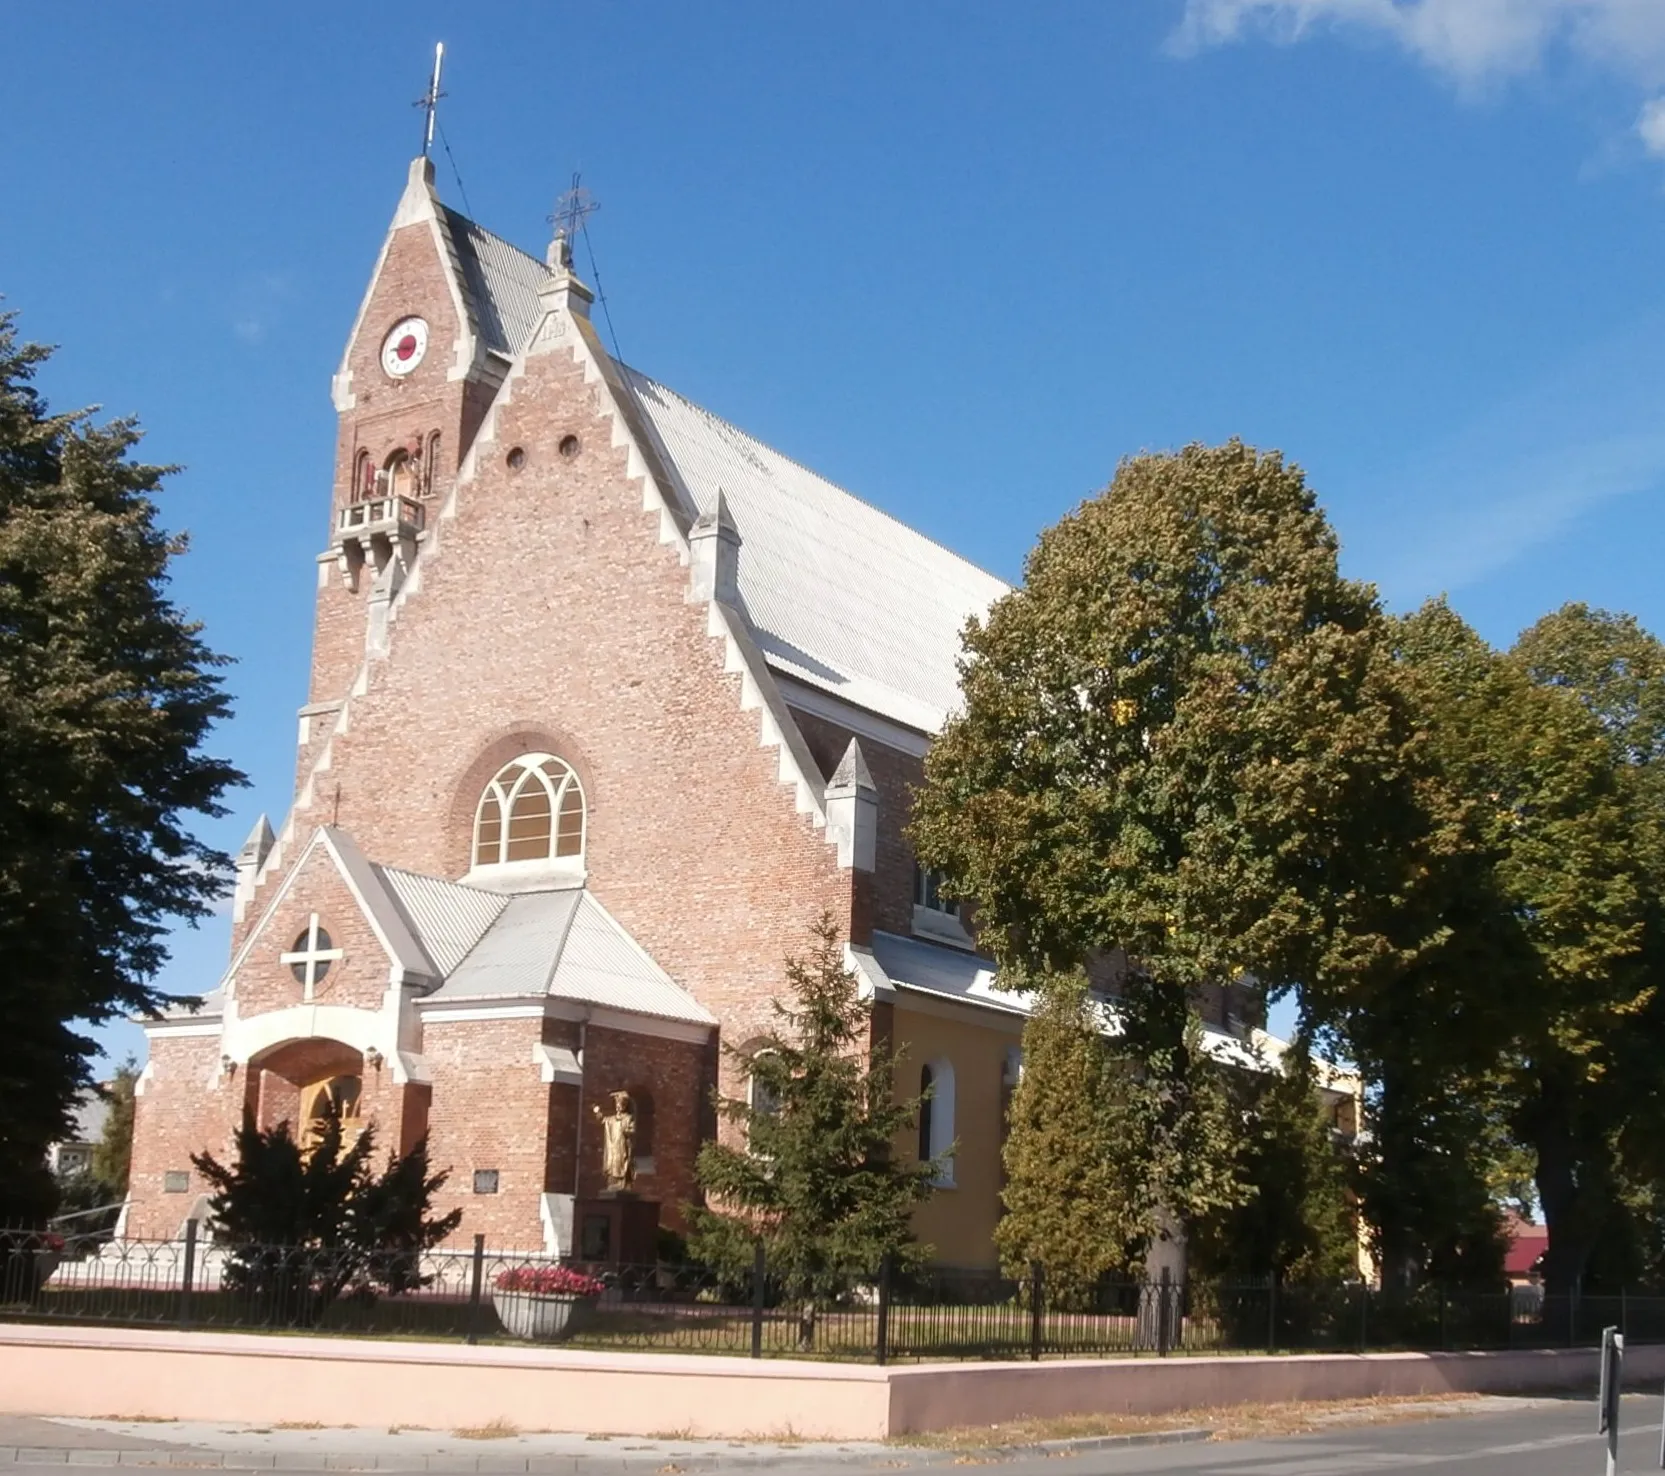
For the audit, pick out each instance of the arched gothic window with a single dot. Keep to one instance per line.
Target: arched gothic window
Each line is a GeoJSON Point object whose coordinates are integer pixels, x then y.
{"type": "Point", "coordinates": [936, 1119]}
{"type": "Point", "coordinates": [401, 474]}
{"type": "Point", "coordinates": [533, 810]}
{"type": "Point", "coordinates": [364, 480]}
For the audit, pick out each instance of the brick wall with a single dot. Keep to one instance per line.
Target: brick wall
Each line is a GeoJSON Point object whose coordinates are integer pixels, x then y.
{"type": "Point", "coordinates": [490, 1110]}
{"type": "Point", "coordinates": [178, 1113]}
{"type": "Point", "coordinates": [895, 775]}
{"type": "Point", "coordinates": [553, 613]}
{"type": "Point", "coordinates": [359, 978]}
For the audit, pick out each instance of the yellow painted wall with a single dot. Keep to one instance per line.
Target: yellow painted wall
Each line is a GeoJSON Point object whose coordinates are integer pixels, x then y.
{"type": "Point", "coordinates": [959, 1221]}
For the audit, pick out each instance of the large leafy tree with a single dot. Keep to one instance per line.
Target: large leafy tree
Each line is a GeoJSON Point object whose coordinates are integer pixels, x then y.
{"type": "Point", "coordinates": [107, 695]}
{"type": "Point", "coordinates": [1616, 670]}
{"type": "Point", "coordinates": [810, 1167]}
{"type": "Point", "coordinates": [1515, 1019]}
{"type": "Point", "coordinates": [1184, 736]}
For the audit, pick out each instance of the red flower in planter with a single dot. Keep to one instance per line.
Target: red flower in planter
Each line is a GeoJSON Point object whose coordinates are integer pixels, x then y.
{"type": "Point", "coordinates": [548, 1281]}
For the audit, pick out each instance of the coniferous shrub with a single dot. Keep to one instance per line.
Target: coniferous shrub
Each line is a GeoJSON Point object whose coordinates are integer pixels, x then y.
{"type": "Point", "coordinates": [308, 1227]}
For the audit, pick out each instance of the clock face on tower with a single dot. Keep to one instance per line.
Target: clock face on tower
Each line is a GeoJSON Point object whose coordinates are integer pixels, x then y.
{"type": "Point", "coordinates": [403, 348]}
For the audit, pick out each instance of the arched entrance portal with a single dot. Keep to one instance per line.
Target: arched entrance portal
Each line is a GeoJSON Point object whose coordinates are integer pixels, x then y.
{"type": "Point", "coordinates": [301, 1081]}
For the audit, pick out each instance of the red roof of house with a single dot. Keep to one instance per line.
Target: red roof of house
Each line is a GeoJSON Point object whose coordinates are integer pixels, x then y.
{"type": "Point", "coordinates": [1526, 1243]}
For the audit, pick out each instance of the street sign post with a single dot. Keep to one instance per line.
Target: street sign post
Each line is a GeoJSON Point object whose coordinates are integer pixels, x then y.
{"type": "Point", "coordinates": [1612, 1365]}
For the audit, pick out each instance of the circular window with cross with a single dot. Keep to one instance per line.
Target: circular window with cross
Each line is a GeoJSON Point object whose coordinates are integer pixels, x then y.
{"type": "Point", "coordinates": [311, 957]}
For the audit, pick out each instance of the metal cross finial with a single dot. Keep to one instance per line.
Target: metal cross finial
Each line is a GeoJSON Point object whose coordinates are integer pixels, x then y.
{"type": "Point", "coordinates": [571, 211]}
{"type": "Point", "coordinates": [430, 100]}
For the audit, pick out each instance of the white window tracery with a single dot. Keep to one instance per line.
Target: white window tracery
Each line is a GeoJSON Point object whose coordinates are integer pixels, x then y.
{"type": "Point", "coordinates": [531, 811]}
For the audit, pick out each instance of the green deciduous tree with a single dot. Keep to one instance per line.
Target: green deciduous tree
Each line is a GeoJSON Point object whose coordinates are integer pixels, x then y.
{"type": "Point", "coordinates": [107, 694]}
{"type": "Point", "coordinates": [1299, 1223]}
{"type": "Point", "coordinates": [1616, 670]}
{"type": "Point", "coordinates": [810, 1168]}
{"type": "Point", "coordinates": [1512, 1024]}
{"type": "Point", "coordinates": [1184, 736]}
{"type": "Point", "coordinates": [113, 1153]}
{"type": "Point", "coordinates": [308, 1226]}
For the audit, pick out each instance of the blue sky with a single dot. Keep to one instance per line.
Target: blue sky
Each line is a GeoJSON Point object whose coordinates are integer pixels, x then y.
{"type": "Point", "coordinates": [961, 258]}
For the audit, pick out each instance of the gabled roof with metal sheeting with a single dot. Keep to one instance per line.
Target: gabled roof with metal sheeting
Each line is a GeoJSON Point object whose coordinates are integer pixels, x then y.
{"type": "Point", "coordinates": [566, 945]}
{"type": "Point", "coordinates": [448, 917]}
{"type": "Point", "coordinates": [502, 282]}
{"type": "Point", "coordinates": [840, 595]}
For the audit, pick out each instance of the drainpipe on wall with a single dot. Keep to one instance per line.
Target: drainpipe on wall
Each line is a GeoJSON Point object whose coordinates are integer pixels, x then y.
{"type": "Point", "coordinates": [578, 1131]}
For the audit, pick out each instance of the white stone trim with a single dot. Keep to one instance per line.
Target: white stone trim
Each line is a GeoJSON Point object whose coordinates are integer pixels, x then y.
{"type": "Point", "coordinates": [577, 1011]}
{"type": "Point", "coordinates": [942, 927]}
{"type": "Point", "coordinates": [173, 1031]}
{"type": "Point", "coordinates": [653, 1026]}
{"type": "Point", "coordinates": [557, 1065]}
{"type": "Point", "coordinates": [446, 1013]}
{"type": "Point", "coordinates": [364, 1030]}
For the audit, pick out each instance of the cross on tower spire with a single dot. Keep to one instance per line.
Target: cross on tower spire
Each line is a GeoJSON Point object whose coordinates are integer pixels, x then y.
{"type": "Point", "coordinates": [572, 209]}
{"type": "Point", "coordinates": [429, 101]}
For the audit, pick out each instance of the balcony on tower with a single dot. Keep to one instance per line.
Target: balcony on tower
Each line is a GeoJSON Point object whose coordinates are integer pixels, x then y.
{"type": "Point", "coordinates": [379, 530]}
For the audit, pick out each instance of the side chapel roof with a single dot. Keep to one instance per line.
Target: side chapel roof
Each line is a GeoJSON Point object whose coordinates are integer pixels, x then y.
{"type": "Point", "coordinates": [917, 967]}
{"type": "Point", "coordinates": [840, 595]}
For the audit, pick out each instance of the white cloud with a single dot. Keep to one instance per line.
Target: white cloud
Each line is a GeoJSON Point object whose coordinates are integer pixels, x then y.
{"type": "Point", "coordinates": [1523, 472]}
{"type": "Point", "coordinates": [1474, 42]}
{"type": "Point", "coordinates": [1650, 127]}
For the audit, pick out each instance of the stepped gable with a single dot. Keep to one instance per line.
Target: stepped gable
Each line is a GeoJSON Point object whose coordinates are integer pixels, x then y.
{"type": "Point", "coordinates": [840, 596]}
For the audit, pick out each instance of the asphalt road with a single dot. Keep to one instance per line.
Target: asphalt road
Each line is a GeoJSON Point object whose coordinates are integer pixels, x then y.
{"type": "Point", "coordinates": [1557, 1440]}
{"type": "Point", "coordinates": [1540, 1439]}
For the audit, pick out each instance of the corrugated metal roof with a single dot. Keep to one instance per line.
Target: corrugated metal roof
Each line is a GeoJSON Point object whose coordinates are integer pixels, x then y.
{"type": "Point", "coordinates": [840, 595]}
{"type": "Point", "coordinates": [951, 973]}
{"type": "Point", "coordinates": [448, 918]}
{"type": "Point", "coordinates": [604, 965]}
{"type": "Point", "coordinates": [567, 945]}
{"type": "Point", "coordinates": [502, 281]}
{"type": "Point", "coordinates": [517, 954]}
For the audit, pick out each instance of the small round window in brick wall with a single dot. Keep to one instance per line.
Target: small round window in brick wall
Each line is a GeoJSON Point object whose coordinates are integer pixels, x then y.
{"type": "Point", "coordinates": [568, 447]}
{"type": "Point", "coordinates": [311, 950]}
{"type": "Point", "coordinates": [515, 459]}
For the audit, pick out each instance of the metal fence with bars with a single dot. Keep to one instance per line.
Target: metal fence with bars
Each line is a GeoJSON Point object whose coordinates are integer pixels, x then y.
{"type": "Point", "coordinates": [480, 1293]}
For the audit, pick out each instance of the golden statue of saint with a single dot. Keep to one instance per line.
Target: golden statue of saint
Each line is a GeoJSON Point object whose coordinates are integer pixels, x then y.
{"type": "Point", "coordinates": [618, 1140]}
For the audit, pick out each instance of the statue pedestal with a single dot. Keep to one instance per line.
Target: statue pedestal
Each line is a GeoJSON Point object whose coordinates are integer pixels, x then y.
{"type": "Point", "coordinates": [618, 1229]}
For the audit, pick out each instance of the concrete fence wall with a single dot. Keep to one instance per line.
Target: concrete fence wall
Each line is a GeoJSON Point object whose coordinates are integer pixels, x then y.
{"type": "Point", "coordinates": [161, 1374]}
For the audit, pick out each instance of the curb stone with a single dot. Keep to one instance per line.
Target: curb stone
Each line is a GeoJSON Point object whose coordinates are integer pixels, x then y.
{"type": "Point", "coordinates": [1083, 1443]}
{"type": "Point", "coordinates": [189, 1458]}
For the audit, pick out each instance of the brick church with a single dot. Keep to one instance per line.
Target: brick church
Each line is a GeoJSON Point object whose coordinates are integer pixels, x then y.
{"type": "Point", "coordinates": [609, 703]}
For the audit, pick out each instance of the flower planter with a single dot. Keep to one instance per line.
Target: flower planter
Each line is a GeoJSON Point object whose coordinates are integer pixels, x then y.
{"type": "Point", "coordinates": [539, 1317]}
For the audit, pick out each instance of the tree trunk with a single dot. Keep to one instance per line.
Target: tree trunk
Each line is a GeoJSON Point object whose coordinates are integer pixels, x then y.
{"type": "Point", "coordinates": [1565, 1213]}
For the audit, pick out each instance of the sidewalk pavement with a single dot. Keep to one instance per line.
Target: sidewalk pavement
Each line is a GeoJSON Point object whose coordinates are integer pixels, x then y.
{"type": "Point", "coordinates": [33, 1441]}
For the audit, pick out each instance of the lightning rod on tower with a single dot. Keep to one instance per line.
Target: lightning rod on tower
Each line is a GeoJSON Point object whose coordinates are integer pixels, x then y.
{"type": "Point", "coordinates": [430, 100]}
